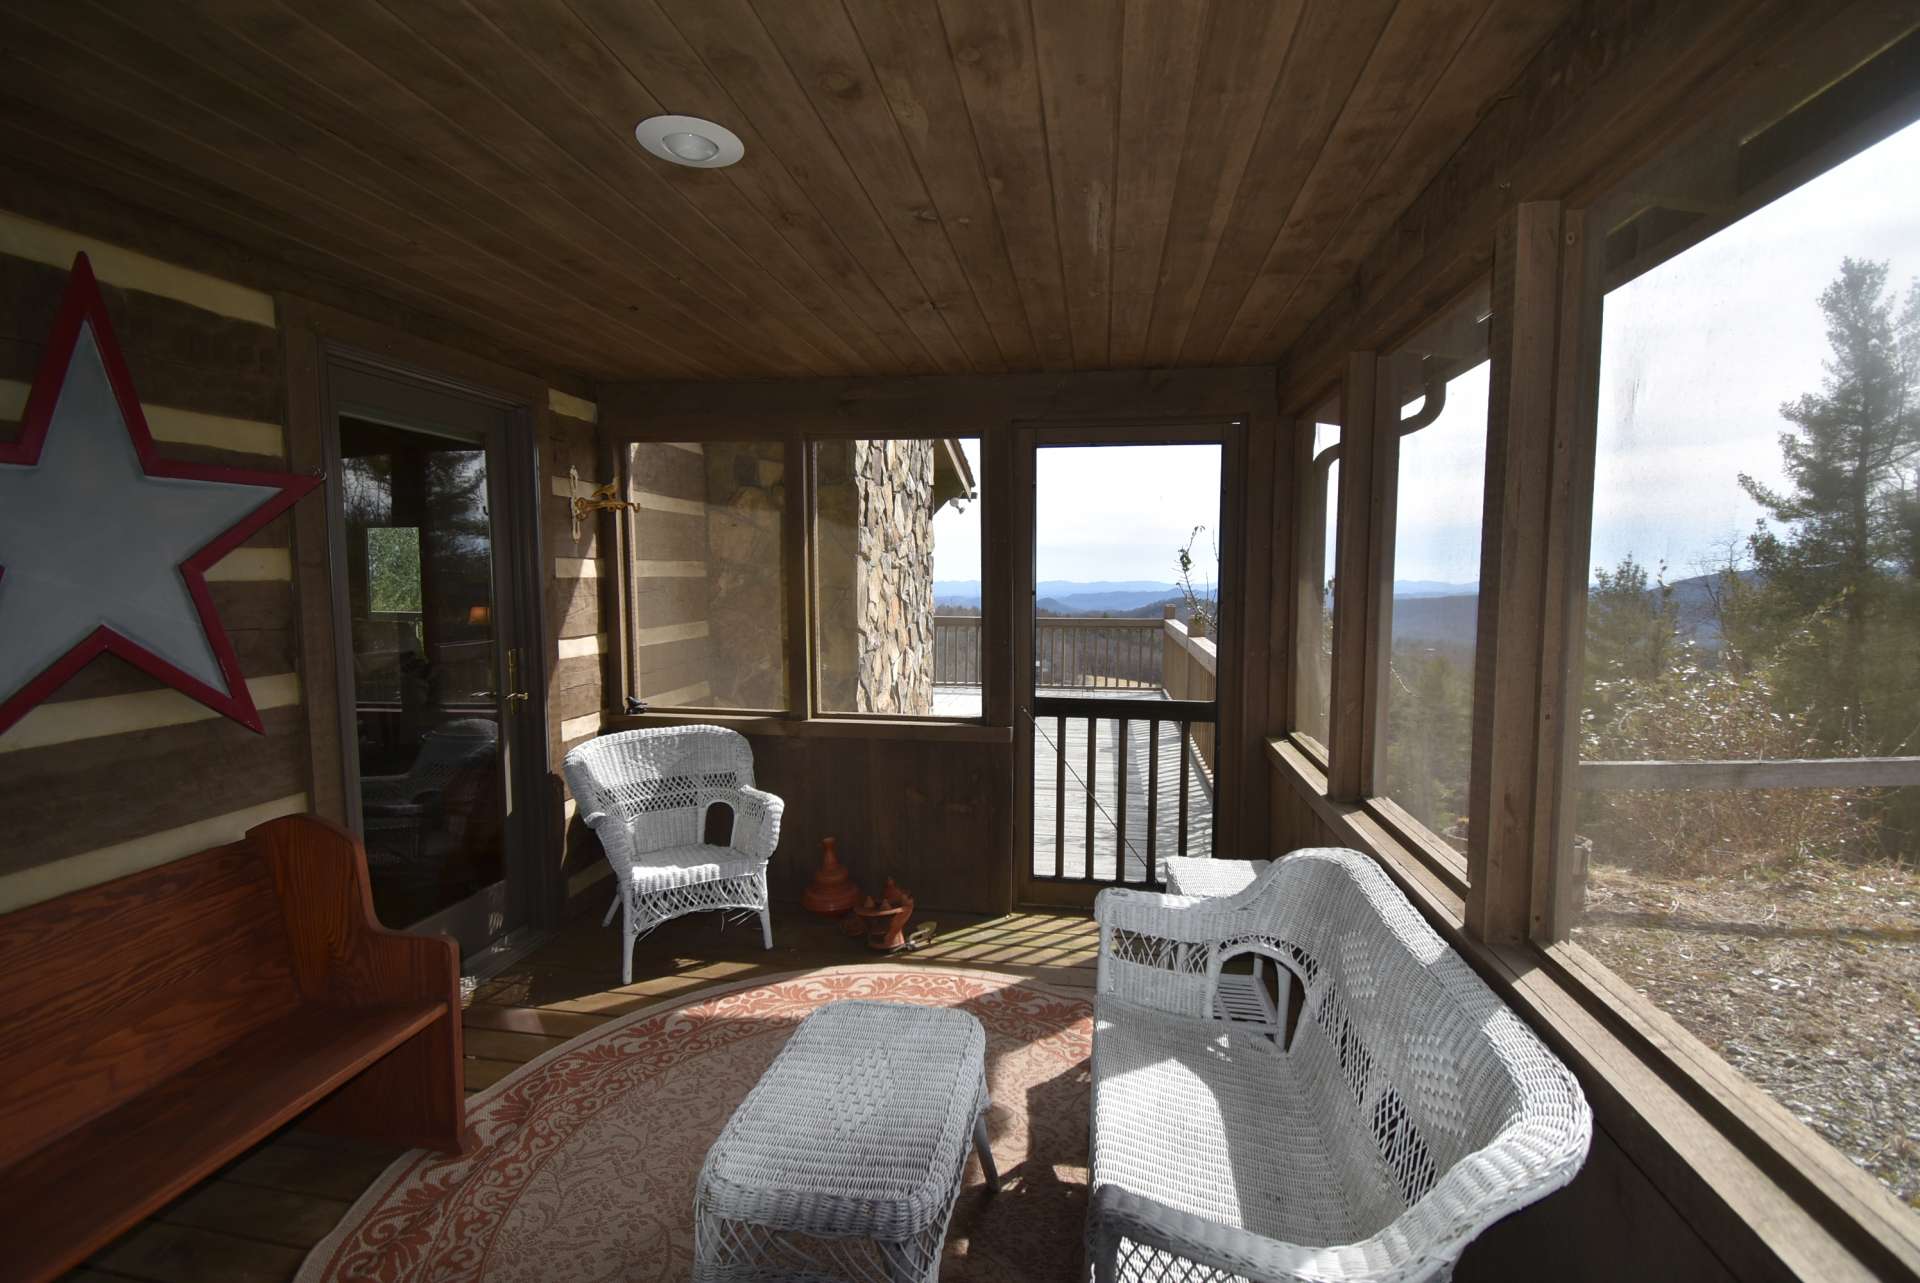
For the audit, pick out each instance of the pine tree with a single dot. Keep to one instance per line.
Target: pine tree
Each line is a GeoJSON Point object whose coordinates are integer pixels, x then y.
{"type": "Point", "coordinates": [1840, 572]}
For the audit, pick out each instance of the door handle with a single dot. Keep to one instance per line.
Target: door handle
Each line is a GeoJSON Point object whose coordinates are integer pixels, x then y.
{"type": "Point", "coordinates": [513, 677]}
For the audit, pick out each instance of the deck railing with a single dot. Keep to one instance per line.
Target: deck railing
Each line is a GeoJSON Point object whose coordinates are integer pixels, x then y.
{"type": "Point", "coordinates": [1118, 787]}
{"type": "Point", "coordinates": [1190, 670]}
{"type": "Point", "coordinates": [1090, 652]}
{"type": "Point", "coordinates": [957, 654]}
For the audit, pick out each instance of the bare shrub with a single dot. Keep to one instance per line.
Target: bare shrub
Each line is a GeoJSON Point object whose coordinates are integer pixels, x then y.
{"type": "Point", "coordinates": [1696, 714]}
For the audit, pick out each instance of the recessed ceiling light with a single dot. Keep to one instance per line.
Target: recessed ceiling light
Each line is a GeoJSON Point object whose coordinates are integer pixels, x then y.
{"type": "Point", "coordinates": [689, 140]}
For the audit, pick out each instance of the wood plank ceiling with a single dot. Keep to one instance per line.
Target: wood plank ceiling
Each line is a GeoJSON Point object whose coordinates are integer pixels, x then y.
{"type": "Point", "coordinates": [929, 185]}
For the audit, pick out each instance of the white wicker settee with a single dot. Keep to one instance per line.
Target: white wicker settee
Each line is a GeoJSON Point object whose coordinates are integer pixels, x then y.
{"type": "Point", "coordinates": [646, 795]}
{"type": "Point", "coordinates": [1409, 1111]}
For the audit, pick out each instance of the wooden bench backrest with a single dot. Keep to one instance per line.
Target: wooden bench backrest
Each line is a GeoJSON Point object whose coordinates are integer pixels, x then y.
{"type": "Point", "coordinates": [112, 989]}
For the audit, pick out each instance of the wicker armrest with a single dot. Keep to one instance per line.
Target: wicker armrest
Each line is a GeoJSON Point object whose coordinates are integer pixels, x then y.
{"type": "Point", "coordinates": [1220, 1251]}
{"type": "Point", "coordinates": [756, 818]}
{"type": "Point", "coordinates": [615, 832]}
{"type": "Point", "coordinates": [1189, 918]}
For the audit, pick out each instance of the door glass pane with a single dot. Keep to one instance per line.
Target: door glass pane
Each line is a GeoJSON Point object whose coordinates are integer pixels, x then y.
{"type": "Point", "coordinates": [709, 578]}
{"type": "Point", "coordinates": [897, 576]}
{"type": "Point", "coordinates": [419, 577]}
{"type": "Point", "coordinates": [1127, 593]}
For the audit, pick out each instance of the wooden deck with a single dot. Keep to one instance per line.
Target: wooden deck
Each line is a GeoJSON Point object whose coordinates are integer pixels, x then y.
{"type": "Point", "coordinates": [256, 1220]}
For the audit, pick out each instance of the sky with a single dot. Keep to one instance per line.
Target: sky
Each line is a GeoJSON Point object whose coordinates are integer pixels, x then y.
{"type": "Point", "coordinates": [1698, 355]}
{"type": "Point", "coordinates": [1103, 513]}
{"type": "Point", "coordinates": [1696, 358]}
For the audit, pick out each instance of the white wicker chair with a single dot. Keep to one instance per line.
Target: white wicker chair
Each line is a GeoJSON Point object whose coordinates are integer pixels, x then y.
{"type": "Point", "coordinates": [646, 795]}
{"type": "Point", "coordinates": [1410, 1110]}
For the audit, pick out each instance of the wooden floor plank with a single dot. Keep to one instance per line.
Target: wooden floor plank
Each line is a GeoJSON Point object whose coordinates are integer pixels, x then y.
{"type": "Point", "coordinates": [254, 1211]}
{"type": "Point", "coordinates": [302, 1169]}
{"type": "Point", "coordinates": [482, 1074]}
{"type": "Point", "coordinates": [161, 1253]}
{"type": "Point", "coordinates": [495, 1044]}
{"type": "Point", "coordinates": [530, 1020]}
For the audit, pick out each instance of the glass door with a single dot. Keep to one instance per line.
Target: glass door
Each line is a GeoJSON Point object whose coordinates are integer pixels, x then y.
{"type": "Point", "coordinates": [1121, 707]}
{"type": "Point", "coordinates": [434, 677]}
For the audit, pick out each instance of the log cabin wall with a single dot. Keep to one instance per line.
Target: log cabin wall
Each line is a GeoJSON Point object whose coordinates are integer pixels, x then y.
{"type": "Point", "coordinates": [116, 772]}
{"type": "Point", "coordinates": [581, 620]}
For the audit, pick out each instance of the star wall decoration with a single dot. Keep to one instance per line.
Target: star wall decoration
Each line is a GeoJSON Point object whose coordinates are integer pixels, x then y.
{"type": "Point", "coordinates": [104, 544]}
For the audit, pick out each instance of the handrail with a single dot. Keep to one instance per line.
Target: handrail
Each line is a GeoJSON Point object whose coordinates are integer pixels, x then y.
{"type": "Point", "coordinates": [1205, 651]}
{"type": "Point", "coordinates": [1071, 651]}
{"type": "Point", "coordinates": [1094, 621]}
{"type": "Point", "coordinates": [1062, 621]}
{"type": "Point", "coordinates": [1750, 773]}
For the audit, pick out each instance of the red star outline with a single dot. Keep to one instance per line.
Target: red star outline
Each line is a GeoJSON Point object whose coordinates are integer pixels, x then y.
{"type": "Point", "coordinates": [83, 304]}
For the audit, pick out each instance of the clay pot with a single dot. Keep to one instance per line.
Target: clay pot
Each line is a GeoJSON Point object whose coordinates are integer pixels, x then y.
{"type": "Point", "coordinates": [832, 892]}
{"type": "Point", "coordinates": [886, 921]}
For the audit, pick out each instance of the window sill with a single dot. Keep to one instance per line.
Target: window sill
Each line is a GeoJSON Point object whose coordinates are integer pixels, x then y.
{"type": "Point", "coordinates": [1766, 1194]}
{"type": "Point", "coordinates": [1379, 819]}
{"type": "Point", "coordinates": [867, 728]}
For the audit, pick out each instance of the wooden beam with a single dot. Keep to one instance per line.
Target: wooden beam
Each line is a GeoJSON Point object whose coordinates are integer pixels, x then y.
{"type": "Point", "coordinates": [1510, 663]}
{"type": "Point", "coordinates": [1354, 659]}
{"type": "Point", "coordinates": [1558, 889]}
{"type": "Point", "coordinates": [1300, 575]}
{"type": "Point", "coordinates": [1381, 511]}
{"type": "Point", "coordinates": [796, 540]}
{"type": "Point", "coordinates": [1000, 605]}
{"type": "Point", "coordinates": [1243, 685]}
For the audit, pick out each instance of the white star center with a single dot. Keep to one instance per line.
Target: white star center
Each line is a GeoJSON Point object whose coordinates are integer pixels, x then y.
{"type": "Point", "coordinates": [88, 538]}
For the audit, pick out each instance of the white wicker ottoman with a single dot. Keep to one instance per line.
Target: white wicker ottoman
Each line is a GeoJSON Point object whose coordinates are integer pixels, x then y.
{"type": "Point", "coordinates": [845, 1159]}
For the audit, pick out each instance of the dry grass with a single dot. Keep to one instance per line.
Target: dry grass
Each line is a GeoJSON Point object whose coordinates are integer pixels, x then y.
{"type": "Point", "coordinates": [1807, 981]}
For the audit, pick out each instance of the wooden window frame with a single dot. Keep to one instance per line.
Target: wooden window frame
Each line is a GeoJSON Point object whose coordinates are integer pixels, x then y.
{"type": "Point", "coordinates": [803, 715]}
{"type": "Point", "coordinates": [989, 605]}
{"type": "Point", "coordinates": [1306, 530]}
{"type": "Point", "coordinates": [1352, 759]}
{"type": "Point", "coordinates": [615, 455]}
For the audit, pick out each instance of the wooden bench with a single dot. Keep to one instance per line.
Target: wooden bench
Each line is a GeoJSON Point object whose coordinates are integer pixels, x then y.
{"type": "Point", "coordinates": [160, 1024]}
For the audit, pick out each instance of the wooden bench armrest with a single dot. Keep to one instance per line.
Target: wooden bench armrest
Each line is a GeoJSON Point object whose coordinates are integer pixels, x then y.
{"type": "Point", "coordinates": [343, 957]}
{"type": "Point", "coordinates": [341, 953]}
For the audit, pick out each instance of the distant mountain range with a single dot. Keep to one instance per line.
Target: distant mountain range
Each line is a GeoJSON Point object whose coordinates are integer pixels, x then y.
{"type": "Point", "coordinates": [1427, 611]}
{"type": "Point", "coordinates": [1070, 597]}
{"type": "Point", "coordinates": [1104, 594]}
{"type": "Point", "coordinates": [1452, 618]}
{"type": "Point", "coordinates": [1432, 588]}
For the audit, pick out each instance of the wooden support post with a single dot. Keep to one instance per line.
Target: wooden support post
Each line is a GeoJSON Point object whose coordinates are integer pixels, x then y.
{"type": "Point", "coordinates": [1302, 692]}
{"type": "Point", "coordinates": [1354, 660]}
{"type": "Point", "coordinates": [617, 526]}
{"type": "Point", "coordinates": [1382, 512]}
{"type": "Point", "coordinates": [1558, 886]}
{"type": "Point", "coordinates": [1521, 652]}
{"type": "Point", "coordinates": [796, 541]}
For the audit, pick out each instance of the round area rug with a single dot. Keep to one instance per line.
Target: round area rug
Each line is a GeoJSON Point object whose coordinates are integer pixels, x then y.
{"type": "Point", "coordinates": [586, 1159]}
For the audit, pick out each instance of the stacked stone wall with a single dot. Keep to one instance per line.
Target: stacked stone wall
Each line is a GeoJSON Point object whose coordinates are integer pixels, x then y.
{"type": "Point", "coordinates": [874, 500]}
